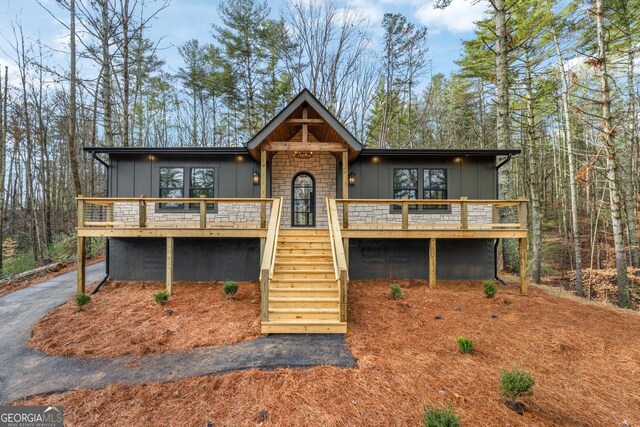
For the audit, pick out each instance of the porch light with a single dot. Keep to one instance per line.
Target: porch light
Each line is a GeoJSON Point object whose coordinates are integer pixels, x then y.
{"type": "Point", "coordinates": [352, 179]}
{"type": "Point", "coordinates": [304, 154]}
{"type": "Point", "coordinates": [256, 178]}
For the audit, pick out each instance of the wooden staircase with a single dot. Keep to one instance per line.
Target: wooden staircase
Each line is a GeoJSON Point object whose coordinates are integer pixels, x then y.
{"type": "Point", "coordinates": [304, 294]}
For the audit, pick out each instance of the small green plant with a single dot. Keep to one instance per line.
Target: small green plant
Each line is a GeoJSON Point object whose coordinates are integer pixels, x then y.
{"type": "Point", "coordinates": [161, 297]}
{"type": "Point", "coordinates": [396, 291]}
{"type": "Point", "coordinates": [443, 416]}
{"type": "Point", "coordinates": [465, 345]}
{"type": "Point", "coordinates": [82, 299]}
{"type": "Point", "coordinates": [490, 288]}
{"type": "Point", "coordinates": [515, 383]}
{"type": "Point", "coordinates": [230, 288]}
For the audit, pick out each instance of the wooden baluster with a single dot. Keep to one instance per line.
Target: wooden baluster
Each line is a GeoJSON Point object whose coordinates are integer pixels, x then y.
{"type": "Point", "coordinates": [464, 213]}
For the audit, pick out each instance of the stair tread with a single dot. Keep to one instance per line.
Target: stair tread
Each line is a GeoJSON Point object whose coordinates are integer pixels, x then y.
{"type": "Point", "coordinates": [304, 299]}
{"type": "Point", "coordinates": [304, 322]}
{"type": "Point", "coordinates": [304, 310]}
{"type": "Point", "coordinates": [302, 262]}
{"type": "Point", "coordinates": [304, 289]}
{"type": "Point", "coordinates": [303, 280]}
{"type": "Point", "coordinates": [305, 271]}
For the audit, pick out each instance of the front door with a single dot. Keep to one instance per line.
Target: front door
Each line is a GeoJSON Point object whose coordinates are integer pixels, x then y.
{"type": "Point", "coordinates": [303, 201]}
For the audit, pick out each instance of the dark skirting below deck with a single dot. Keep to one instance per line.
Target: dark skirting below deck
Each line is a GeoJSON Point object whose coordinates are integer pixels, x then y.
{"type": "Point", "coordinates": [197, 259]}
{"type": "Point", "coordinates": [457, 259]}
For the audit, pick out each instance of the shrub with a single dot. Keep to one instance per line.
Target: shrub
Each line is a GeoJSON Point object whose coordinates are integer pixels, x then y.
{"type": "Point", "coordinates": [396, 291]}
{"type": "Point", "coordinates": [161, 297]}
{"type": "Point", "coordinates": [82, 299]}
{"type": "Point", "coordinates": [490, 288]}
{"type": "Point", "coordinates": [515, 384]}
{"type": "Point", "coordinates": [465, 345]}
{"type": "Point", "coordinates": [230, 288]}
{"type": "Point", "coordinates": [444, 416]}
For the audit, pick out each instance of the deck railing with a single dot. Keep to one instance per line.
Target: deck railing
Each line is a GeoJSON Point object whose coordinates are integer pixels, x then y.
{"type": "Point", "coordinates": [454, 214]}
{"type": "Point", "coordinates": [269, 257]}
{"type": "Point", "coordinates": [339, 258]}
{"type": "Point", "coordinates": [148, 212]}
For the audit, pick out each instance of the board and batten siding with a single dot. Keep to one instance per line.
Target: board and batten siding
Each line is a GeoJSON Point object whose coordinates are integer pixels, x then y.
{"type": "Point", "coordinates": [195, 259]}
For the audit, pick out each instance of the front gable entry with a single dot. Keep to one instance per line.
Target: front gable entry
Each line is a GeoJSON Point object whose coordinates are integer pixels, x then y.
{"type": "Point", "coordinates": [304, 125]}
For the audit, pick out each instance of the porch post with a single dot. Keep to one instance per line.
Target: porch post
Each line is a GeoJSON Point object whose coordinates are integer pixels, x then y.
{"type": "Point", "coordinates": [345, 195]}
{"type": "Point", "coordinates": [432, 263]}
{"type": "Point", "coordinates": [263, 195]}
{"type": "Point", "coordinates": [523, 266]}
{"type": "Point", "coordinates": [169, 280]}
{"type": "Point", "coordinates": [80, 249]}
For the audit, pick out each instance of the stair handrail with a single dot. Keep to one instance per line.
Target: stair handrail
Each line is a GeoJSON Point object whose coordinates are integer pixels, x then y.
{"type": "Point", "coordinates": [269, 256]}
{"type": "Point", "coordinates": [339, 258]}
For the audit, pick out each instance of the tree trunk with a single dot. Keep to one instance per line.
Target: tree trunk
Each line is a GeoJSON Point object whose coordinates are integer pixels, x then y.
{"type": "Point", "coordinates": [534, 180]}
{"type": "Point", "coordinates": [608, 136]}
{"type": "Point", "coordinates": [575, 229]}
{"type": "Point", "coordinates": [73, 115]}
{"type": "Point", "coordinates": [106, 75]}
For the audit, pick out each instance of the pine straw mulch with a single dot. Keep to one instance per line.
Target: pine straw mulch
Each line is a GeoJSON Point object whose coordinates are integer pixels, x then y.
{"type": "Point", "coordinates": [124, 319]}
{"type": "Point", "coordinates": [15, 285]}
{"type": "Point", "coordinates": [602, 285]}
{"type": "Point", "coordinates": [585, 360]}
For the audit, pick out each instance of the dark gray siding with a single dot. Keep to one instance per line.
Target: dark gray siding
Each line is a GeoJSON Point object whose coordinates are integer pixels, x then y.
{"type": "Point", "coordinates": [195, 259]}
{"type": "Point", "coordinates": [470, 259]}
{"type": "Point", "coordinates": [132, 176]}
{"type": "Point", "coordinates": [238, 259]}
{"type": "Point", "coordinates": [473, 177]}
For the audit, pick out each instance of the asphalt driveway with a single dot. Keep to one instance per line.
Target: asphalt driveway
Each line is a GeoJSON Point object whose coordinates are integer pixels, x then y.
{"type": "Point", "coordinates": [25, 372]}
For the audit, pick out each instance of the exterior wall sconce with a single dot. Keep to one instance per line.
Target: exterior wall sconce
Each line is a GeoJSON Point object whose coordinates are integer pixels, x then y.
{"type": "Point", "coordinates": [352, 179]}
{"type": "Point", "coordinates": [256, 178]}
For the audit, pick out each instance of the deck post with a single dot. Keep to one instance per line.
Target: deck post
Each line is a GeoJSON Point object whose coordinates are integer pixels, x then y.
{"type": "Point", "coordinates": [432, 263]}
{"type": "Point", "coordinates": [203, 213]}
{"type": "Point", "coordinates": [169, 280]}
{"type": "Point", "coordinates": [523, 266]}
{"type": "Point", "coordinates": [405, 214]}
{"type": "Point", "coordinates": [80, 266]}
{"type": "Point", "coordinates": [345, 205]}
{"type": "Point", "coordinates": [522, 215]}
{"type": "Point", "coordinates": [495, 215]}
{"type": "Point", "coordinates": [464, 213]}
{"type": "Point", "coordinates": [344, 280]}
{"type": "Point", "coordinates": [264, 295]}
{"type": "Point", "coordinates": [263, 188]}
{"type": "Point", "coordinates": [142, 212]}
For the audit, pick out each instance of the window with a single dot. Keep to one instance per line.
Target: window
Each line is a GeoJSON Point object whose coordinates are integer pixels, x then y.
{"type": "Point", "coordinates": [405, 185]}
{"type": "Point", "coordinates": [171, 186]}
{"type": "Point", "coordinates": [434, 187]}
{"type": "Point", "coordinates": [201, 184]}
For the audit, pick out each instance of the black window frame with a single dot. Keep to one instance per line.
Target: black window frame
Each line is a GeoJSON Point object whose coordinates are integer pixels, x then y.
{"type": "Point", "coordinates": [196, 206]}
{"type": "Point", "coordinates": [394, 189]}
{"type": "Point", "coordinates": [165, 206]}
{"type": "Point", "coordinates": [186, 189]}
{"type": "Point", "coordinates": [430, 188]}
{"type": "Point", "coordinates": [421, 209]}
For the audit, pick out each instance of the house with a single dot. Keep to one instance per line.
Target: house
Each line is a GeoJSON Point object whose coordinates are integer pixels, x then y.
{"type": "Point", "coordinates": [304, 208]}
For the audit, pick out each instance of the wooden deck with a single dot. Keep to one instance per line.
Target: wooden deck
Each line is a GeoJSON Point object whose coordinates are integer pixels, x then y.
{"type": "Point", "coordinates": [304, 272]}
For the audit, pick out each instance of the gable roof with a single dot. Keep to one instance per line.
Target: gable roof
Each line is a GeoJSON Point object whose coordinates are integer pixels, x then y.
{"type": "Point", "coordinates": [305, 97]}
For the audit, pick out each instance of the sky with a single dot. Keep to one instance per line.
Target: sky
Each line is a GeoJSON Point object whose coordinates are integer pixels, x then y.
{"type": "Point", "coordinates": [188, 19]}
